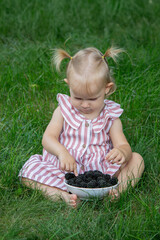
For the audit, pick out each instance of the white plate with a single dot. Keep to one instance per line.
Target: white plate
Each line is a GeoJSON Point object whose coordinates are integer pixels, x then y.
{"type": "Point", "coordinates": [89, 193]}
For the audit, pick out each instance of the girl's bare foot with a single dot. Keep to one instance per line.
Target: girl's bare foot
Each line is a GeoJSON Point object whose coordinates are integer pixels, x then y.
{"type": "Point", "coordinates": [71, 199]}
{"type": "Point", "coordinates": [57, 194]}
{"type": "Point", "coordinates": [114, 194]}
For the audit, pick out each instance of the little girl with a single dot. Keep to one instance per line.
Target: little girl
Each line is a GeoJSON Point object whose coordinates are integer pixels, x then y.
{"type": "Point", "coordinates": [85, 132]}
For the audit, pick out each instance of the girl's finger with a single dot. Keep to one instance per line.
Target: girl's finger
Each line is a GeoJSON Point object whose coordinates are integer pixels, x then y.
{"type": "Point", "coordinates": [122, 161]}
{"type": "Point", "coordinates": [67, 167]}
{"type": "Point", "coordinates": [116, 159]}
{"type": "Point", "coordinates": [112, 157]}
{"type": "Point", "coordinates": [71, 168]}
{"type": "Point", "coordinates": [109, 154]}
{"type": "Point", "coordinates": [75, 170]}
{"type": "Point", "coordinates": [62, 166]}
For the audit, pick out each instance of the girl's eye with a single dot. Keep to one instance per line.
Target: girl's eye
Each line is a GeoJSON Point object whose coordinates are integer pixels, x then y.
{"type": "Point", "coordinates": [93, 99]}
{"type": "Point", "coordinates": [78, 98]}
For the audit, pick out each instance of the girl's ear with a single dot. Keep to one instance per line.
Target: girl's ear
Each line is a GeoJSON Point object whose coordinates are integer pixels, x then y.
{"type": "Point", "coordinates": [109, 86]}
{"type": "Point", "coordinates": [66, 80]}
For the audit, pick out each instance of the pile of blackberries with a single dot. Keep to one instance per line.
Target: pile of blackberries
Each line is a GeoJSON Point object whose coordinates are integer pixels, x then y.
{"type": "Point", "coordinates": [91, 179]}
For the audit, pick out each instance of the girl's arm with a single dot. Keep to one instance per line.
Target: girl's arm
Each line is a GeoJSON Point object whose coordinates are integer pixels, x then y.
{"type": "Point", "coordinates": [121, 151]}
{"type": "Point", "coordinates": [51, 143]}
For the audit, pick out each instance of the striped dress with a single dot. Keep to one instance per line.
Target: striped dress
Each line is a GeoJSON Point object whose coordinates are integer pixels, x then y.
{"type": "Point", "coordinates": [88, 141]}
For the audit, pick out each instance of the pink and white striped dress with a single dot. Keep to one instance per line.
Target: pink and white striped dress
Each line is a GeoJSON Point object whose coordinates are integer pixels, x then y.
{"type": "Point", "coordinates": [88, 141]}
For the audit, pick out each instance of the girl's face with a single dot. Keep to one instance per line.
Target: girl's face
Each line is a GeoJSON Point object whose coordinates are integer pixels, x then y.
{"type": "Point", "coordinates": [89, 105]}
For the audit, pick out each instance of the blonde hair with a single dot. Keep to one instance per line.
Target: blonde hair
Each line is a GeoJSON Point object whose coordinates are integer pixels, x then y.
{"type": "Point", "coordinates": [86, 62]}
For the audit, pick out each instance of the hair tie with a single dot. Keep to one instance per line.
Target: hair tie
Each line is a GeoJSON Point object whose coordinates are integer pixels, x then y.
{"type": "Point", "coordinates": [71, 58]}
{"type": "Point", "coordinates": [103, 57]}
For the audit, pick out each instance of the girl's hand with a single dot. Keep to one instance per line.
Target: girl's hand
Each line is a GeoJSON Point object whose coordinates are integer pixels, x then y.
{"type": "Point", "coordinates": [116, 156]}
{"type": "Point", "coordinates": [67, 162]}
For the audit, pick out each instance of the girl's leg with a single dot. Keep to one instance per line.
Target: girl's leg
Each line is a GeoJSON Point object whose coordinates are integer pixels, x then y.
{"type": "Point", "coordinates": [52, 192]}
{"type": "Point", "coordinates": [129, 174]}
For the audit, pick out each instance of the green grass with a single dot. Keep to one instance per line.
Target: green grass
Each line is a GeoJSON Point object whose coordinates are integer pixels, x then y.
{"type": "Point", "coordinates": [28, 88]}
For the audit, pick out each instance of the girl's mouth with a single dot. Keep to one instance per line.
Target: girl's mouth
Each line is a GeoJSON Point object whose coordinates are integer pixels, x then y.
{"type": "Point", "coordinates": [86, 110]}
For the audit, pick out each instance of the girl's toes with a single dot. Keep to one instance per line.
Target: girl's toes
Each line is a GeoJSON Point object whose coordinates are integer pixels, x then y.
{"type": "Point", "coordinates": [74, 200]}
{"type": "Point", "coordinates": [73, 197]}
{"type": "Point", "coordinates": [114, 194]}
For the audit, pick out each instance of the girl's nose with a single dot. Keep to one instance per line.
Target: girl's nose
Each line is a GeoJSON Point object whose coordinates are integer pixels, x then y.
{"type": "Point", "coordinates": [85, 104]}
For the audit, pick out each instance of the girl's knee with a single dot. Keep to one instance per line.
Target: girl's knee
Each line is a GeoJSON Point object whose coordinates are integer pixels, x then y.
{"type": "Point", "coordinates": [137, 158]}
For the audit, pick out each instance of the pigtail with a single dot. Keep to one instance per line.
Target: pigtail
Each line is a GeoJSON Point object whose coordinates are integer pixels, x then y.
{"type": "Point", "coordinates": [58, 56]}
{"type": "Point", "coordinates": [113, 53]}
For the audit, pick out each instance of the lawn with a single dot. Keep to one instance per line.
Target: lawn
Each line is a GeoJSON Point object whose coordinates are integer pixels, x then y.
{"type": "Point", "coordinates": [29, 30]}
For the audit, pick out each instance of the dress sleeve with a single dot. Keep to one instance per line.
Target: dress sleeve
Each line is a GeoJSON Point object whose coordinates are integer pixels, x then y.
{"type": "Point", "coordinates": [114, 109]}
{"type": "Point", "coordinates": [68, 112]}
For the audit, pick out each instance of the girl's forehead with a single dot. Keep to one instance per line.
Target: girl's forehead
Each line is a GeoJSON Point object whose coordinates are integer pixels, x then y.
{"type": "Point", "coordinates": [85, 92]}
{"type": "Point", "coordinates": [81, 85]}
{"type": "Point", "coordinates": [81, 93]}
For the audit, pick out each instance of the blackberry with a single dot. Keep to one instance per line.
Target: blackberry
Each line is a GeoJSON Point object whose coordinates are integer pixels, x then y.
{"type": "Point", "coordinates": [100, 178]}
{"type": "Point", "coordinates": [98, 173]}
{"type": "Point", "coordinates": [88, 179]}
{"type": "Point", "coordinates": [108, 184]}
{"type": "Point", "coordinates": [89, 174]}
{"type": "Point", "coordinates": [92, 184]}
{"type": "Point", "coordinates": [102, 183]}
{"type": "Point", "coordinates": [69, 176]}
{"type": "Point", "coordinates": [78, 181]}
{"type": "Point", "coordinates": [71, 181]}
{"type": "Point", "coordinates": [113, 181]}
{"type": "Point", "coordinates": [84, 178]}
{"type": "Point", "coordinates": [83, 184]}
{"type": "Point", "coordinates": [81, 176]}
{"type": "Point", "coordinates": [107, 177]}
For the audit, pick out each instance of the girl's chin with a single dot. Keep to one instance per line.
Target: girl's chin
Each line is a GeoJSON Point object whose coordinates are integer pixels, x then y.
{"type": "Point", "coordinates": [86, 111]}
